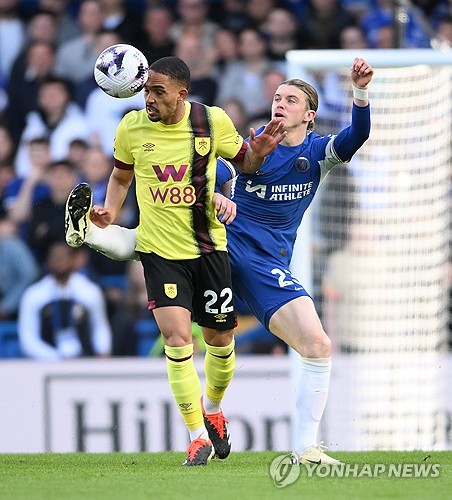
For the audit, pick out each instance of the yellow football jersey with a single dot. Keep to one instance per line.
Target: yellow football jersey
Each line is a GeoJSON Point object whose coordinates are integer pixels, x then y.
{"type": "Point", "coordinates": [175, 169]}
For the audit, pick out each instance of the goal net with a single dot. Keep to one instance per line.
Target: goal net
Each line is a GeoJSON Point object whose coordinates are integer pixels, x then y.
{"type": "Point", "coordinates": [374, 249]}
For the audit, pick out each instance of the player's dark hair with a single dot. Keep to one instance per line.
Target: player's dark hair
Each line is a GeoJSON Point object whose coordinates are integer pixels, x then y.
{"type": "Point", "coordinates": [173, 67]}
{"type": "Point", "coordinates": [310, 92]}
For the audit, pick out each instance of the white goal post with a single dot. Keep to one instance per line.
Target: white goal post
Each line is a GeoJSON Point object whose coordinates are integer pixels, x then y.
{"type": "Point", "coordinates": [373, 249]}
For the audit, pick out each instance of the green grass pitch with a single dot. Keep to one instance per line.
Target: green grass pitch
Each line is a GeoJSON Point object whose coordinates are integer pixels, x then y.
{"type": "Point", "coordinates": [242, 476]}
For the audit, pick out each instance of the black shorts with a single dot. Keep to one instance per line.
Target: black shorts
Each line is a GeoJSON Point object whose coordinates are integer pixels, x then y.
{"type": "Point", "coordinates": [202, 285]}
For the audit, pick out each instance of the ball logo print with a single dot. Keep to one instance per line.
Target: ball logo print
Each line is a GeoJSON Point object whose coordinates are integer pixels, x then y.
{"type": "Point", "coordinates": [283, 472]}
{"type": "Point", "coordinates": [121, 70]}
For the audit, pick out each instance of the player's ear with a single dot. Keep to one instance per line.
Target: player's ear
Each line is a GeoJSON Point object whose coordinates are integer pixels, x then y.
{"type": "Point", "coordinates": [183, 93]}
{"type": "Point", "coordinates": [310, 115]}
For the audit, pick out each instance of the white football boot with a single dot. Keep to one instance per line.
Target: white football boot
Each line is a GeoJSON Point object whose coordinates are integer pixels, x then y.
{"type": "Point", "coordinates": [314, 455]}
{"type": "Point", "coordinates": [78, 207]}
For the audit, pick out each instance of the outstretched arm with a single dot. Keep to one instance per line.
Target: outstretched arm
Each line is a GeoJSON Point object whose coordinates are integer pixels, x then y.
{"type": "Point", "coordinates": [349, 140]}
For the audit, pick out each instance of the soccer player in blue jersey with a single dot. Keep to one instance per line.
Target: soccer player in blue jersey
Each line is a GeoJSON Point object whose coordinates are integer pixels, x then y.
{"type": "Point", "coordinates": [270, 205]}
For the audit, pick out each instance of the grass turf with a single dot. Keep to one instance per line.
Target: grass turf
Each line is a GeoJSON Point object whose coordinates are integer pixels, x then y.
{"type": "Point", "coordinates": [242, 476]}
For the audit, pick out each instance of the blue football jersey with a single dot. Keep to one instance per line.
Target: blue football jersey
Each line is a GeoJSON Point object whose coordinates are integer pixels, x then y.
{"type": "Point", "coordinates": [271, 202]}
{"type": "Point", "coordinates": [270, 206]}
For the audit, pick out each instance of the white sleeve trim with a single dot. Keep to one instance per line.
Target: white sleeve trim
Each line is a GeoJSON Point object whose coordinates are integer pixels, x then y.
{"type": "Point", "coordinates": [230, 166]}
{"type": "Point", "coordinates": [331, 160]}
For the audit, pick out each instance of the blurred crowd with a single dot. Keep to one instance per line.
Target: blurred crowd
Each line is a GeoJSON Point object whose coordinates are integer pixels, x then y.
{"type": "Point", "coordinates": [57, 129]}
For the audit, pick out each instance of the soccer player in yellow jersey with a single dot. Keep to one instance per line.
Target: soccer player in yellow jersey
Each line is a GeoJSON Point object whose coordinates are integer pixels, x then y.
{"type": "Point", "coordinates": [171, 148]}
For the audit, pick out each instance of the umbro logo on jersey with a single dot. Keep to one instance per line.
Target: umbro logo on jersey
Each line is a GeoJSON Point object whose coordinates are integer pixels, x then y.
{"type": "Point", "coordinates": [148, 146]}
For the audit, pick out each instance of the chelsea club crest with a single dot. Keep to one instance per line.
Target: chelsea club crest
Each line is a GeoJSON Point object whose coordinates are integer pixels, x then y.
{"type": "Point", "coordinates": [302, 165]}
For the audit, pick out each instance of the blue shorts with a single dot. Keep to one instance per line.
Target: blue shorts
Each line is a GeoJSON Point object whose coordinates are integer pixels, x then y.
{"type": "Point", "coordinates": [263, 283]}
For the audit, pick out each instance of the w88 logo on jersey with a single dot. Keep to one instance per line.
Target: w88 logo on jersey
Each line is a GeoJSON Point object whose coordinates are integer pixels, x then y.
{"type": "Point", "coordinates": [175, 195]}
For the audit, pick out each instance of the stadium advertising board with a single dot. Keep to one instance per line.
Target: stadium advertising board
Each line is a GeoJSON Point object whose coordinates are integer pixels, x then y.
{"type": "Point", "coordinates": [126, 405]}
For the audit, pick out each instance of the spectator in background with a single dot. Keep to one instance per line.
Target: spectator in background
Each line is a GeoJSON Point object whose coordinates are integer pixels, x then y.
{"type": "Point", "coordinates": [12, 35]}
{"type": "Point", "coordinates": [77, 152]}
{"type": "Point", "coordinates": [25, 192]}
{"type": "Point", "coordinates": [235, 111]}
{"type": "Point", "coordinates": [320, 28]}
{"type": "Point", "coordinates": [258, 12]}
{"type": "Point", "coordinates": [66, 27]}
{"type": "Point", "coordinates": [381, 17]}
{"type": "Point", "coordinates": [194, 19]}
{"type": "Point", "coordinates": [244, 78]}
{"type": "Point", "coordinates": [46, 224]}
{"type": "Point", "coordinates": [226, 47]}
{"type": "Point", "coordinates": [383, 36]}
{"type": "Point", "coordinates": [26, 77]}
{"type": "Point", "coordinates": [42, 27]}
{"type": "Point", "coordinates": [156, 41]}
{"type": "Point", "coordinates": [353, 37]}
{"type": "Point", "coordinates": [203, 86]}
{"type": "Point", "coordinates": [95, 170]}
{"type": "Point", "coordinates": [231, 15]}
{"type": "Point", "coordinates": [81, 51]}
{"type": "Point", "coordinates": [120, 19]}
{"type": "Point", "coordinates": [282, 34]}
{"type": "Point", "coordinates": [18, 269]}
{"type": "Point", "coordinates": [57, 117]}
{"type": "Point", "coordinates": [63, 315]}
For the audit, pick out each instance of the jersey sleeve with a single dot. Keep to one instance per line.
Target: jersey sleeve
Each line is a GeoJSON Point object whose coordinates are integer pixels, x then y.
{"type": "Point", "coordinates": [231, 145]}
{"type": "Point", "coordinates": [349, 140]}
{"type": "Point", "coordinates": [121, 149]}
{"type": "Point", "coordinates": [323, 149]}
{"type": "Point", "coordinates": [225, 172]}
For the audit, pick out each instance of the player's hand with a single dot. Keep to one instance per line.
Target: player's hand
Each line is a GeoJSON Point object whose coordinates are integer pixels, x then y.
{"type": "Point", "coordinates": [266, 142]}
{"type": "Point", "coordinates": [361, 73]}
{"type": "Point", "coordinates": [226, 209]}
{"type": "Point", "coordinates": [101, 216]}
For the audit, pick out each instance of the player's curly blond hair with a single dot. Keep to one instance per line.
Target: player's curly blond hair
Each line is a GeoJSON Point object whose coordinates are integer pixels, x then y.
{"type": "Point", "coordinates": [309, 91]}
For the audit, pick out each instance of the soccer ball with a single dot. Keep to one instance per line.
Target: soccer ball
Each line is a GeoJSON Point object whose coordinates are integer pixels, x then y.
{"type": "Point", "coordinates": [121, 70]}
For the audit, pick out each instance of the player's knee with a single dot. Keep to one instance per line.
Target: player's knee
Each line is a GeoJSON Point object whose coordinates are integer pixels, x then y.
{"type": "Point", "coordinates": [218, 338]}
{"type": "Point", "coordinates": [318, 345]}
{"type": "Point", "coordinates": [177, 339]}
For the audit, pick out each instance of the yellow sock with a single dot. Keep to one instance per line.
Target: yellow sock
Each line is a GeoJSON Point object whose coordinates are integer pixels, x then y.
{"type": "Point", "coordinates": [219, 366]}
{"type": "Point", "coordinates": [185, 384]}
